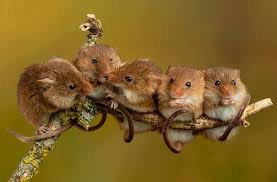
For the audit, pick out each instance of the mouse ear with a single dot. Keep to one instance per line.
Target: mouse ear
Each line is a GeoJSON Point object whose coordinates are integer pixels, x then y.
{"type": "Point", "coordinates": [169, 69]}
{"type": "Point", "coordinates": [237, 71]}
{"type": "Point", "coordinates": [159, 79]}
{"type": "Point", "coordinates": [202, 72]}
{"type": "Point", "coordinates": [46, 82]}
{"type": "Point", "coordinates": [83, 52]}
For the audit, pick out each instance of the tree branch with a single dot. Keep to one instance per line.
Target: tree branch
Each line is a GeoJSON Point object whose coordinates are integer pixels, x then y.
{"type": "Point", "coordinates": [86, 110]}
{"type": "Point", "coordinates": [201, 123]}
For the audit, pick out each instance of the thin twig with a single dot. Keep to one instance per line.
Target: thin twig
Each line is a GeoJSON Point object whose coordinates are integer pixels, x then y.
{"type": "Point", "coordinates": [86, 110]}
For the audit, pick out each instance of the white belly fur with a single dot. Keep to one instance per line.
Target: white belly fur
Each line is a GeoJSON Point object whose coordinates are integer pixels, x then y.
{"type": "Point", "coordinates": [168, 112]}
{"type": "Point", "coordinates": [98, 92]}
{"type": "Point", "coordinates": [175, 135]}
{"type": "Point", "coordinates": [139, 127]}
{"type": "Point", "coordinates": [215, 133]}
{"type": "Point", "coordinates": [224, 113]}
{"type": "Point", "coordinates": [183, 136]}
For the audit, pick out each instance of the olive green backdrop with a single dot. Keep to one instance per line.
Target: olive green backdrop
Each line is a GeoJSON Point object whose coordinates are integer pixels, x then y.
{"type": "Point", "coordinates": [198, 33]}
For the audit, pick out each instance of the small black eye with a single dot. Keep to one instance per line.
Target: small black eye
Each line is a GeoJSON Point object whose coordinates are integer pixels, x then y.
{"type": "Point", "coordinates": [111, 59]}
{"type": "Point", "coordinates": [188, 84]}
{"type": "Point", "coordinates": [234, 82]}
{"type": "Point", "coordinates": [171, 80]}
{"type": "Point", "coordinates": [94, 60]}
{"type": "Point", "coordinates": [217, 82]}
{"type": "Point", "coordinates": [128, 78]}
{"type": "Point", "coordinates": [72, 87]}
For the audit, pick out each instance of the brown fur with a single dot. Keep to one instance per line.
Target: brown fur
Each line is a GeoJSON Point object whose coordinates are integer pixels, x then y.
{"type": "Point", "coordinates": [44, 89]}
{"type": "Point", "coordinates": [145, 79]}
{"type": "Point", "coordinates": [107, 61]}
{"type": "Point", "coordinates": [214, 96]}
{"type": "Point", "coordinates": [174, 95]}
{"type": "Point", "coordinates": [177, 89]}
{"type": "Point", "coordinates": [224, 101]}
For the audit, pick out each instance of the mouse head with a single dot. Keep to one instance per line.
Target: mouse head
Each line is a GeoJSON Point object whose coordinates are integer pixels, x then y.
{"type": "Point", "coordinates": [223, 83]}
{"type": "Point", "coordinates": [62, 84]}
{"type": "Point", "coordinates": [183, 82]}
{"type": "Point", "coordinates": [141, 76]}
{"type": "Point", "coordinates": [96, 62]}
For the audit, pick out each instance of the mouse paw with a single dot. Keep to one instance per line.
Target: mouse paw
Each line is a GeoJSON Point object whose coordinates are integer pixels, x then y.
{"type": "Point", "coordinates": [114, 104]}
{"type": "Point", "coordinates": [43, 129]}
{"type": "Point", "coordinates": [176, 103]}
{"type": "Point", "coordinates": [228, 102]}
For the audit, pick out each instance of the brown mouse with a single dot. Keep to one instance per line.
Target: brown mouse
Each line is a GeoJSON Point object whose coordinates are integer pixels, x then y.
{"type": "Point", "coordinates": [183, 89]}
{"type": "Point", "coordinates": [46, 88]}
{"type": "Point", "coordinates": [135, 85]}
{"type": "Point", "coordinates": [96, 62]}
{"type": "Point", "coordinates": [225, 97]}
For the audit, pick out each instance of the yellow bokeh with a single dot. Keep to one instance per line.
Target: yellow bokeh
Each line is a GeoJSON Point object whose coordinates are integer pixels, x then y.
{"type": "Point", "coordinates": [199, 33]}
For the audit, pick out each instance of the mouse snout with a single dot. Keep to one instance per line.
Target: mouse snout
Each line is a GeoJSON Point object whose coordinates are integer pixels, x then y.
{"type": "Point", "coordinates": [86, 89]}
{"type": "Point", "coordinates": [176, 93]}
{"type": "Point", "coordinates": [227, 90]}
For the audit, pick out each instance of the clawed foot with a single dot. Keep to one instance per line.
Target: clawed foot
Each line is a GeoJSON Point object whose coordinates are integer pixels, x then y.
{"type": "Point", "coordinates": [114, 104]}
{"type": "Point", "coordinates": [43, 129]}
{"type": "Point", "coordinates": [112, 95]}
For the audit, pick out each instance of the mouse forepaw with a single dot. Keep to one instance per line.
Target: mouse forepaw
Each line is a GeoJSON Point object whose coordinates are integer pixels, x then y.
{"type": "Point", "coordinates": [43, 129]}
{"type": "Point", "coordinates": [114, 104]}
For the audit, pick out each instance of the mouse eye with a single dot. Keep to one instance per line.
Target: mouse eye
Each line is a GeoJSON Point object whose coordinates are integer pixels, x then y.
{"type": "Point", "coordinates": [188, 84]}
{"type": "Point", "coordinates": [128, 78]}
{"type": "Point", "coordinates": [111, 59]}
{"type": "Point", "coordinates": [94, 60]}
{"type": "Point", "coordinates": [234, 82]}
{"type": "Point", "coordinates": [72, 87]}
{"type": "Point", "coordinates": [217, 82]}
{"type": "Point", "coordinates": [171, 80]}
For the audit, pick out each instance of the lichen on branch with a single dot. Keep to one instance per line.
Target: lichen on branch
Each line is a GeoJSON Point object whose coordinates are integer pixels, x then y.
{"type": "Point", "coordinates": [85, 112]}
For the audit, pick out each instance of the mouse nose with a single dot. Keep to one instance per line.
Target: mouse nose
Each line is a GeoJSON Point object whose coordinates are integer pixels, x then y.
{"type": "Point", "coordinates": [227, 91]}
{"type": "Point", "coordinates": [177, 93]}
{"type": "Point", "coordinates": [86, 89]}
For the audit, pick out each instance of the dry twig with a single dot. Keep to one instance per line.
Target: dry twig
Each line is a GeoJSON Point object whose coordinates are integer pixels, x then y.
{"type": "Point", "coordinates": [86, 110]}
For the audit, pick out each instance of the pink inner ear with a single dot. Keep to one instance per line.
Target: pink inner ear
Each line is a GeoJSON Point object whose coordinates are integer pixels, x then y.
{"type": "Point", "coordinates": [46, 80]}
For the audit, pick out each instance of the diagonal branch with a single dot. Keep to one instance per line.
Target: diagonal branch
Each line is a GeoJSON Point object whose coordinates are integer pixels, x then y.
{"type": "Point", "coordinates": [86, 110]}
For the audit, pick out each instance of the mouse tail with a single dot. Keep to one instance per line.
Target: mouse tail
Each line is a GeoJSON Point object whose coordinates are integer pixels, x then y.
{"type": "Point", "coordinates": [50, 134]}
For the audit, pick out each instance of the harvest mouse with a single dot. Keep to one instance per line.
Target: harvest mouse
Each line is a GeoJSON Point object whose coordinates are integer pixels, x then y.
{"type": "Point", "coordinates": [224, 97]}
{"type": "Point", "coordinates": [183, 89]}
{"type": "Point", "coordinates": [96, 62]}
{"type": "Point", "coordinates": [134, 85]}
{"type": "Point", "coordinates": [46, 88]}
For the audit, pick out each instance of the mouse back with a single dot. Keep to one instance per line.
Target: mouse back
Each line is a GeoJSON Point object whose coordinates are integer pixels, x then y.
{"type": "Point", "coordinates": [46, 88]}
{"type": "Point", "coordinates": [140, 76]}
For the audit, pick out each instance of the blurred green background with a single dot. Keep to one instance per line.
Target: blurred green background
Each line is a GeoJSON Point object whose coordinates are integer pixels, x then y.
{"type": "Point", "coordinates": [199, 33]}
